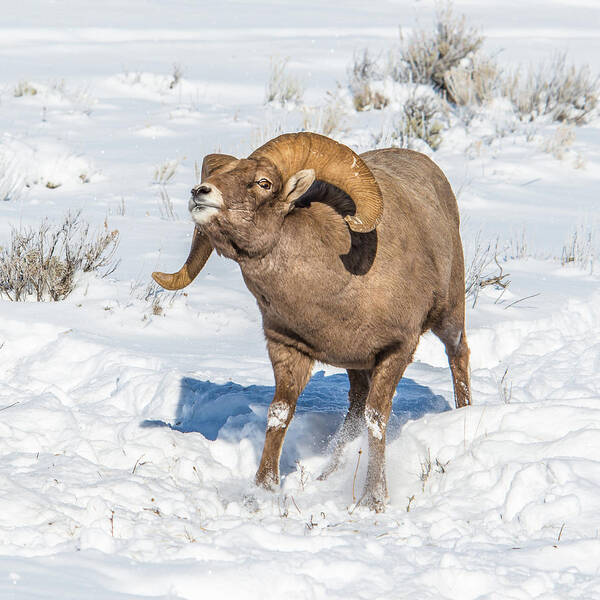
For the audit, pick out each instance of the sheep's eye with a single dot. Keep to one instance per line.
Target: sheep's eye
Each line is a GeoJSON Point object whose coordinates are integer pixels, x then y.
{"type": "Point", "coordinates": [265, 184]}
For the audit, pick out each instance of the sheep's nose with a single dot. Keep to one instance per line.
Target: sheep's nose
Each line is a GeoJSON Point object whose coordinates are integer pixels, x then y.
{"type": "Point", "coordinates": [199, 190]}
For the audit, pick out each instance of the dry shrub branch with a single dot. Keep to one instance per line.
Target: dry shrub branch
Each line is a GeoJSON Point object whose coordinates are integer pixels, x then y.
{"type": "Point", "coordinates": [448, 59]}
{"type": "Point", "coordinates": [427, 56]}
{"type": "Point", "coordinates": [564, 92]}
{"type": "Point", "coordinates": [43, 263]}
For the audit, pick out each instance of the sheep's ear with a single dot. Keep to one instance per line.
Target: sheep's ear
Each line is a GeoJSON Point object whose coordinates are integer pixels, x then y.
{"type": "Point", "coordinates": [214, 162]}
{"type": "Point", "coordinates": [297, 184]}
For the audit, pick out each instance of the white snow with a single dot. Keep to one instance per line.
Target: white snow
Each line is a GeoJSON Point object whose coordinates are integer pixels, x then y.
{"type": "Point", "coordinates": [277, 415]}
{"type": "Point", "coordinates": [130, 439]}
{"type": "Point", "coordinates": [374, 423]}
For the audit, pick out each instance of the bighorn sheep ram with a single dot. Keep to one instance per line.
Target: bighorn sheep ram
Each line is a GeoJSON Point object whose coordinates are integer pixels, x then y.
{"type": "Point", "coordinates": [350, 258]}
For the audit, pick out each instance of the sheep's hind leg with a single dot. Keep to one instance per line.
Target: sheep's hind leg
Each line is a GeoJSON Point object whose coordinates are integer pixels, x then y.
{"type": "Point", "coordinates": [292, 371]}
{"type": "Point", "coordinates": [385, 377]}
{"type": "Point", "coordinates": [455, 341]}
{"type": "Point", "coordinates": [354, 422]}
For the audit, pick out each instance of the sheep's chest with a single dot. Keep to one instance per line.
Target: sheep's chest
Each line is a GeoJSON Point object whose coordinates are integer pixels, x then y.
{"type": "Point", "coordinates": [314, 309]}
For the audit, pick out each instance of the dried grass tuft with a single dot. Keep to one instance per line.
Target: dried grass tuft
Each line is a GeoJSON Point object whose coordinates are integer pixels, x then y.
{"type": "Point", "coordinates": [283, 88]}
{"type": "Point", "coordinates": [362, 73]}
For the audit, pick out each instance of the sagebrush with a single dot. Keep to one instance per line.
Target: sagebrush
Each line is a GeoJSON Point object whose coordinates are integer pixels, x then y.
{"type": "Point", "coordinates": [425, 57]}
{"type": "Point", "coordinates": [565, 92]}
{"type": "Point", "coordinates": [448, 59]}
{"type": "Point", "coordinates": [474, 81]}
{"type": "Point", "coordinates": [43, 263]}
{"type": "Point", "coordinates": [421, 118]}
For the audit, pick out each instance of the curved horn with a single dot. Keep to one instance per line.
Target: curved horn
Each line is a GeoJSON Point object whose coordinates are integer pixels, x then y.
{"type": "Point", "coordinates": [333, 162]}
{"type": "Point", "coordinates": [199, 253]}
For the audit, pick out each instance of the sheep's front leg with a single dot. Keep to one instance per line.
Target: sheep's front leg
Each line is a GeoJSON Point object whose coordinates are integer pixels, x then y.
{"type": "Point", "coordinates": [385, 377]}
{"type": "Point", "coordinates": [292, 371]}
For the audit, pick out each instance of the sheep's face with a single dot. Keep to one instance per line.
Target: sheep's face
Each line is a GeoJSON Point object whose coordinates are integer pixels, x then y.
{"type": "Point", "coordinates": [241, 204]}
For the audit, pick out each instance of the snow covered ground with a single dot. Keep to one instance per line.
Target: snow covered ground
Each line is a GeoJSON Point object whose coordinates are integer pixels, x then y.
{"type": "Point", "coordinates": [129, 440]}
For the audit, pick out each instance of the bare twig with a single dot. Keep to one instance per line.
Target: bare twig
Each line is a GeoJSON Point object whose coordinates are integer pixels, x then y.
{"type": "Point", "coordinates": [176, 76]}
{"type": "Point", "coordinates": [9, 406]}
{"type": "Point", "coordinates": [426, 467]}
{"type": "Point", "coordinates": [138, 463]}
{"type": "Point", "coordinates": [521, 300]}
{"type": "Point", "coordinates": [505, 388]}
{"type": "Point", "coordinates": [299, 511]}
{"type": "Point", "coordinates": [155, 510]}
{"type": "Point", "coordinates": [165, 204]}
{"type": "Point", "coordinates": [497, 280]}
{"type": "Point", "coordinates": [311, 524]}
{"type": "Point", "coordinates": [355, 473]}
{"type": "Point", "coordinates": [197, 474]}
{"type": "Point", "coordinates": [303, 474]}
{"type": "Point", "coordinates": [285, 512]}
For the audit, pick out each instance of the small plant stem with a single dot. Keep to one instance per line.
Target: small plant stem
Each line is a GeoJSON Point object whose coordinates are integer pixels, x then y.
{"type": "Point", "coordinates": [355, 474]}
{"type": "Point", "coordinates": [521, 300]}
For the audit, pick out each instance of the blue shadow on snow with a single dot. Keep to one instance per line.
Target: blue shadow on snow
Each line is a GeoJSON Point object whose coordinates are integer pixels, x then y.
{"type": "Point", "coordinates": [205, 407]}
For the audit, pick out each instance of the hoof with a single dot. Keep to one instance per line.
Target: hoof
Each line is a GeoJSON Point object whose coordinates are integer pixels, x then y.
{"type": "Point", "coordinates": [373, 503]}
{"type": "Point", "coordinates": [267, 481]}
{"type": "Point", "coordinates": [328, 471]}
{"type": "Point", "coordinates": [332, 465]}
{"type": "Point", "coordinates": [250, 503]}
{"type": "Point", "coordinates": [375, 496]}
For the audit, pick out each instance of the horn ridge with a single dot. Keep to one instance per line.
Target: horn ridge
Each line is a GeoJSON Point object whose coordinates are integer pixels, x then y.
{"type": "Point", "coordinates": [333, 162]}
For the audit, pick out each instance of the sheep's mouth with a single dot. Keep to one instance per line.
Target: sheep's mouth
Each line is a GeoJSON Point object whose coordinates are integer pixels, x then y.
{"type": "Point", "coordinates": [200, 205]}
{"type": "Point", "coordinates": [197, 207]}
{"type": "Point", "coordinates": [203, 212]}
